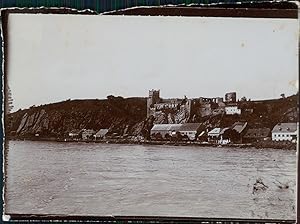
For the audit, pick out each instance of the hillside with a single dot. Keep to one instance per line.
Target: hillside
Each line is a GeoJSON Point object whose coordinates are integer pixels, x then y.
{"type": "Point", "coordinates": [128, 116]}
{"type": "Point", "coordinates": [58, 119]}
{"type": "Point", "coordinates": [265, 113]}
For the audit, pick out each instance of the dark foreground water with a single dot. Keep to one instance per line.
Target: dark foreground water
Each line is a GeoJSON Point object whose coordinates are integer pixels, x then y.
{"type": "Point", "coordinates": [111, 179]}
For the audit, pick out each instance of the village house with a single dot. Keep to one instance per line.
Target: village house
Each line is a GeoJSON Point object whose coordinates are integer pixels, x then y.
{"type": "Point", "coordinates": [223, 138]}
{"type": "Point", "coordinates": [256, 134]}
{"type": "Point", "coordinates": [101, 134]}
{"type": "Point", "coordinates": [285, 132]}
{"type": "Point", "coordinates": [164, 130]}
{"type": "Point", "coordinates": [239, 127]}
{"type": "Point", "coordinates": [75, 134]}
{"type": "Point", "coordinates": [228, 134]}
{"type": "Point", "coordinates": [87, 133]}
{"type": "Point", "coordinates": [231, 109]}
{"type": "Point", "coordinates": [191, 130]}
{"type": "Point", "coordinates": [214, 134]}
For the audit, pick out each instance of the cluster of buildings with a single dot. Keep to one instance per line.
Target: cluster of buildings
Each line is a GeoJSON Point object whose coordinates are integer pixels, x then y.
{"type": "Point", "coordinates": [238, 132]}
{"type": "Point", "coordinates": [177, 128]}
{"type": "Point", "coordinates": [181, 109]}
{"type": "Point", "coordinates": [88, 134]}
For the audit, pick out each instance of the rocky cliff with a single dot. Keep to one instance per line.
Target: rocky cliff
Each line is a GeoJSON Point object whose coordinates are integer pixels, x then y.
{"type": "Point", "coordinates": [119, 115]}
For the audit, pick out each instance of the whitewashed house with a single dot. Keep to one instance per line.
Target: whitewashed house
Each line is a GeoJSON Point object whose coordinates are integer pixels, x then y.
{"type": "Point", "coordinates": [214, 135]}
{"type": "Point", "coordinates": [87, 133]}
{"type": "Point", "coordinates": [232, 109]}
{"type": "Point", "coordinates": [285, 132]}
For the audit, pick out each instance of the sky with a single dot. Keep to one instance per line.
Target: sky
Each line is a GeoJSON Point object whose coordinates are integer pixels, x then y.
{"type": "Point", "coordinates": [52, 58]}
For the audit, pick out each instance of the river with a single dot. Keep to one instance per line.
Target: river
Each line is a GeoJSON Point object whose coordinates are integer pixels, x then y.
{"type": "Point", "coordinates": [116, 179]}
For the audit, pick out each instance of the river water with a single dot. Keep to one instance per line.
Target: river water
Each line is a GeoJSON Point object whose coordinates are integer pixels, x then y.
{"type": "Point", "coordinates": [115, 179]}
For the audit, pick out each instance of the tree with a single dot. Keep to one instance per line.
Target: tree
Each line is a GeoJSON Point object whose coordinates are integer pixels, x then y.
{"type": "Point", "coordinates": [177, 137]}
{"type": "Point", "coordinates": [157, 136]}
{"type": "Point", "coordinates": [232, 135]}
{"type": "Point", "coordinates": [110, 97]}
{"type": "Point", "coordinates": [167, 136]}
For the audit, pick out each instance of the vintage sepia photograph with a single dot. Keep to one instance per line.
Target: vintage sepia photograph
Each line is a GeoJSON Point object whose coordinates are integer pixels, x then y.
{"type": "Point", "coordinates": [132, 115]}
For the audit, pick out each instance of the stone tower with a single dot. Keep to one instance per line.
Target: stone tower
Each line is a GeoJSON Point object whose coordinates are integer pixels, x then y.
{"type": "Point", "coordinates": [230, 97]}
{"type": "Point", "coordinates": [153, 98]}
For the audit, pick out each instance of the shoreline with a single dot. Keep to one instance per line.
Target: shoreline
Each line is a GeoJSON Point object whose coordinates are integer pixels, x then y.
{"type": "Point", "coordinates": [257, 145]}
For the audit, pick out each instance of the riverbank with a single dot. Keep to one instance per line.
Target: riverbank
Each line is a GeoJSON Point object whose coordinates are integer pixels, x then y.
{"type": "Point", "coordinates": [259, 145]}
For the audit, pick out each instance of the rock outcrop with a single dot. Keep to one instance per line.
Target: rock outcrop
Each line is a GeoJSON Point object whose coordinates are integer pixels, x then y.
{"type": "Point", "coordinates": [120, 116]}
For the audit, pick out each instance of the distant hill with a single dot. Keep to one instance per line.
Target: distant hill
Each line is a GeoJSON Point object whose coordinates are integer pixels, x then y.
{"type": "Point", "coordinates": [128, 116]}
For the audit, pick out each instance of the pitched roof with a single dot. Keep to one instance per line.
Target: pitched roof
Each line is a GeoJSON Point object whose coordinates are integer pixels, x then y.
{"type": "Point", "coordinates": [101, 132]}
{"type": "Point", "coordinates": [218, 131]}
{"type": "Point", "coordinates": [190, 127]}
{"type": "Point", "coordinates": [215, 131]}
{"type": "Point", "coordinates": [223, 130]}
{"type": "Point", "coordinates": [166, 127]}
{"type": "Point", "coordinates": [285, 127]}
{"type": "Point", "coordinates": [257, 133]}
{"type": "Point", "coordinates": [239, 126]}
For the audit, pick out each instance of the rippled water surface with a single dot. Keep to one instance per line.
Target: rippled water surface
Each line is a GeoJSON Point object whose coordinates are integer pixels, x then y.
{"type": "Point", "coordinates": [112, 179]}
